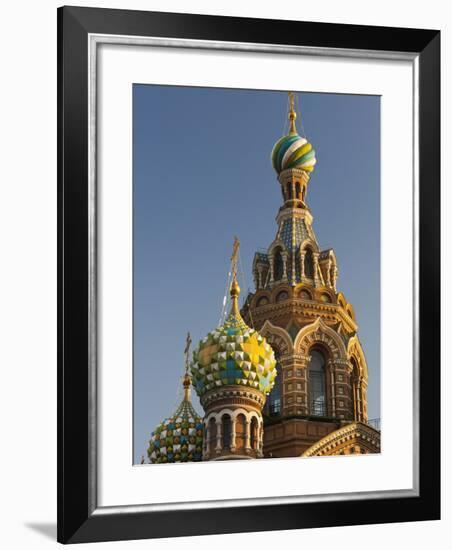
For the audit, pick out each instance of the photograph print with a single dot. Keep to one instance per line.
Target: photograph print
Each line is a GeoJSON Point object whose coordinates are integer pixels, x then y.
{"type": "Point", "coordinates": [256, 274]}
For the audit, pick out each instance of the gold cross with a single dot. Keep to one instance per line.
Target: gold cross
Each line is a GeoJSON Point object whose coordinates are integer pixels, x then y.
{"type": "Point", "coordinates": [292, 101]}
{"type": "Point", "coordinates": [235, 251]}
{"type": "Point", "coordinates": [292, 113]}
{"type": "Point", "coordinates": [187, 350]}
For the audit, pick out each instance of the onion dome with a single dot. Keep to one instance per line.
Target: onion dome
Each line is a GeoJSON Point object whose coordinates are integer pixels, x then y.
{"type": "Point", "coordinates": [178, 438]}
{"type": "Point", "coordinates": [233, 354]}
{"type": "Point", "coordinates": [292, 150]}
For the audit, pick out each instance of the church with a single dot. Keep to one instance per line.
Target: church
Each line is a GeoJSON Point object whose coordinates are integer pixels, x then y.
{"type": "Point", "coordinates": [285, 376]}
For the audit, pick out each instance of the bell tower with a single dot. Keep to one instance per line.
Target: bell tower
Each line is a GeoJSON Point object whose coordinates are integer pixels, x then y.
{"type": "Point", "coordinates": [322, 371]}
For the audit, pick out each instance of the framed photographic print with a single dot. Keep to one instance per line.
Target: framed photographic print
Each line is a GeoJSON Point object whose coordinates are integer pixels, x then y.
{"type": "Point", "coordinates": [248, 275]}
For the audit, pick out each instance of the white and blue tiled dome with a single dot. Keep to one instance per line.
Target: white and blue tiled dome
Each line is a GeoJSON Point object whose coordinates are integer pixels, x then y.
{"type": "Point", "coordinates": [178, 438]}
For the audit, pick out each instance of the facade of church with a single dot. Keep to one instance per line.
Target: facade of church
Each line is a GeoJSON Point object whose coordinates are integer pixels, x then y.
{"type": "Point", "coordinates": [286, 376]}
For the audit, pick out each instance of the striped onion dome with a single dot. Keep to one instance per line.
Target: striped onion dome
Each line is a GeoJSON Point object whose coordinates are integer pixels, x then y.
{"type": "Point", "coordinates": [178, 438]}
{"type": "Point", "coordinates": [293, 151]}
{"type": "Point", "coordinates": [233, 355]}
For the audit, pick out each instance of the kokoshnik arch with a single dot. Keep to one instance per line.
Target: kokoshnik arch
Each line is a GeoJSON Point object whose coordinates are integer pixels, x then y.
{"type": "Point", "coordinates": [286, 376]}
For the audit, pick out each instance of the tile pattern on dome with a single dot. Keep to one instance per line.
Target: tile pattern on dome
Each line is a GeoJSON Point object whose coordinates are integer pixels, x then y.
{"type": "Point", "coordinates": [233, 354]}
{"type": "Point", "coordinates": [178, 438]}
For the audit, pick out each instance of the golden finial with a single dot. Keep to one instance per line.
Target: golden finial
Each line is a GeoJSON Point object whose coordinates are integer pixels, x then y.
{"type": "Point", "coordinates": [187, 377]}
{"type": "Point", "coordinates": [235, 289]}
{"type": "Point", "coordinates": [292, 113]}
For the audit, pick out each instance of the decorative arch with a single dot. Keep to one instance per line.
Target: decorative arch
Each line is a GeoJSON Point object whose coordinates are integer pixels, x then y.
{"type": "Point", "coordinates": [309, 243]}
{"type": "Point", "coordinates": [325, 292]}
{"type": "Point", "coordinates": [320, 333]}
{"type": "Point", "coordinates": [278, 337]}
{"type": "Point", "coordinates": [277, 243]}
{"type": "Point", "coordinates": [303, 288]}
{"type": "Point", "coordinates": [259, 295]}
{"type": "Point", "coordinates": [233, 413]}
{"type": "Point", "coordinates": [280, 288]}
{"type": "Point", "coordinates": [282, 296]}
{"type": "Point", "coordinates": [354, 438]}
{"type": "Point", "coordinates": [354, 349]}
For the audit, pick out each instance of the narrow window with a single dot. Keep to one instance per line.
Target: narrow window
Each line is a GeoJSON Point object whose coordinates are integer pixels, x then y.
{"type": "Point", "coordinates": [226, 431]}
{"type": "Point", "coordinates": [317, 384]}
{"type": "Point", "coordinates": [309, 264]}
{"type": "Point", "coordinates": [278, 271]}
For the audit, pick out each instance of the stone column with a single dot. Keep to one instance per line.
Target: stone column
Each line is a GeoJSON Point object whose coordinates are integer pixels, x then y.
{"type": "Point", "coordinates": [247, 436]}
{"type": "Point", "coordinates": [364, 417]}
{"type": "Point", "coordinates": [207, 440]}
{"type": "Point", "coordinates": [219, 435]}
{"type": "Point", "coordinates": [302, 255]}
{"type": "Point", "coordinates": [272, 273]}
{"type": "Point", "coordinates": [284, 259]}
{"type": "Point", "coordinates": [233, 421]}
{"type": "Point", "coordinates": [328, 274]}
{"type": "Point", "coordinates": [358, 392]}
{"type": "Point", "coordinates": [355, 400]}
{"type": "Point", "coordinates": [315, 256]}
{"type": "Point", "coordinates": [294, 272]}
{"type": "Point", "coordinates": [260, 445]}
{"type": "Point", "coordinates": [335, 275]}
{"type": "Point", "coordinates": [333, 389]}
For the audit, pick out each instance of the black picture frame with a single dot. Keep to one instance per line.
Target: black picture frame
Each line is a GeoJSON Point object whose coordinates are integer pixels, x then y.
{"type": "Point", "coordinates": [78, 519]}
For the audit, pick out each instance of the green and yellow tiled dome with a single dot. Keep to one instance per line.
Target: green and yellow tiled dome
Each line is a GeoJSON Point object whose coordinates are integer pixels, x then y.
{"type": "Point", "coordinates": [293, 150]}
{"type": "Point", "coordinates": [178, 438]}
{"type": "Point", "coordinates": [233, 355]}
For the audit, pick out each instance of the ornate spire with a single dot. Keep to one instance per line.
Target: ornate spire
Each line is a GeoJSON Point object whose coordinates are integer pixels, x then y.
{"type": "Point", "coordinates": [187, 377]}
{"type": "Point", "coordinates": [292, 113]}
{"type": "Point", "coordinates": [235, 288]}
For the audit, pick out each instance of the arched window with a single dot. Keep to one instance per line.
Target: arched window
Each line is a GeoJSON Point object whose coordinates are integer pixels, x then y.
{"type": "Point", "coordinates": [278, 270]}
{"type": "Point", "coordinates": [282, 296]}
{"type": "Point", "coordinates": [317, 395]}
{"type": "Point", "coordinates": [304, 295]}
{"type": "Point", "coordinates": [212, 441]}
{"type": "Point", "coordinates": [226, 420]}
{"type": "Point", "coordinates": [274, 404]}
{"type": "Point", "coordinates": [309, 264]}
{"type": "Point", "coordinates": [263, 301]}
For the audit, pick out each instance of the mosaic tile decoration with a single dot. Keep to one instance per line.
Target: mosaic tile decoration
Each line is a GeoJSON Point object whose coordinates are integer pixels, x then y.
{"type": "Point", "coordinates": [293, 151]}
{"type": "Point", "coordinates": [233, 354]}
{"type": "Point", "coordinates": [178, 438]}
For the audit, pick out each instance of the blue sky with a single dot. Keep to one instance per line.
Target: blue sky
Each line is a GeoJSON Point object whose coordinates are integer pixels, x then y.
{"type": "Point", "coordinates": [202, 174]}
